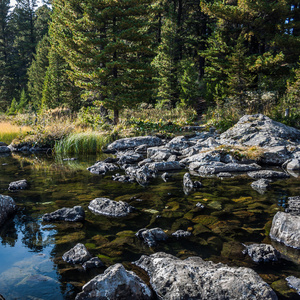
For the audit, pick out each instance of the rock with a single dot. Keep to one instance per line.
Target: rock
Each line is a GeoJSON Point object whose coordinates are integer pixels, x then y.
{"type": "Point", "coordinates": [129, 157]}
{"type": "Point", "coordinates": [166, 176]}
{"type": "Point", "coordinates": [294, 283]}
{"type": "Point", "coordinates": [293, 164]}
{"type": "Point", "coordinates": [130, 143]}
{"type": "Point", "coordinates": [142, 149]}
{"type": "Point", "coordinates": [262, 253]}
{"type": "Point", "coordinates": [268, 174]}
{"type": "Point", "coordinates": [187, 181]}
{"type": "Point", "coordinates": [115, 284]}
{"type": "Point", "coordinates": [275, 156]}
{"type": "Point", "coordinates": [294, 205]}
{"type": "Point", "coordinates": [145, 161]}
{"type": "Point", "coordinates": [200, 205]}
{"type": "Point", "coordinates": [193, 278]}
{"type": "Point", "coordinates": [181, 233]}
{"type": "Point", "coordinates": [7, 208]}
{"type": "Point", "coordinates": [111, 208]}
{"type": "Point", "coordinates": [224, 175]}
{"type": "Point", "coordinates": [164, 166]}
{"type": "Point", "coordinates": [3, 144]}
{"type": "Point", "coordinates": [206, 156]}
{"type": "Point", "coordinates": [75, 214]}
{"type": "Point", "coordinates": [122, 178]}
{"type": "Point", "coordinates": [259, 130]}
{"type": "Point", "coordinates": [70, 159]}
{"type": "Point", "coordinates": [286, 229]}
{"type": "Point", "coordinates": [94, 262]}
{"type": "Point", "coordinates": [4, 149]}
{"type": "Point", "coordinates": [208, 143]}
{"type": "Point", "coordinates": [142, 175]}
{"type": "Point", "coordinates": [218, 167]}
{"type": "Point", "coordinates": [151, 236]}
{"type": "Point", "coordinates": [261, 185]}
{"type": "Point", "coordinates": [18, 185]}
{"type": "Point", "coordinates": [77, 255]}
{"type": "Point", "coordinates": [101, 168]}
{"type": "Point", "coordinates": [178, 143]}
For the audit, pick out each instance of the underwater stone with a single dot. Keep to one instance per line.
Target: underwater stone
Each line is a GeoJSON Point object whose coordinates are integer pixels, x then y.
{"type": "Point", "coordinates": [75, 214]}
{"type": "Point", "coordinates": [151, 236]}
{"type": "Point", "coordinates": [262, 253]}
{"type": "Point", "coordinates": [111, 208]}
{"type": "Point", "coordinates": [101, 168]}
{"type": "Point", "coordinates": [115, 284]}
{"type": "Point", "coordinates": [294, 283]}
{"type": "Point", "coordinates": [193, 278]}
{"type": "Point", "coordinates": [166, 176]}
{"type": "Point", "coordinates": [261, 185]}
{"type": "Point", "coordinates": [7, 208]}
{"type": "Point", "coordinates": [181, 233]}
{"type": "Point", "coordinates": [18, 185]}
{"type": "Point", "coordinates": [77, 255]}
{"type": "Point", "coordinates": [94, 262]}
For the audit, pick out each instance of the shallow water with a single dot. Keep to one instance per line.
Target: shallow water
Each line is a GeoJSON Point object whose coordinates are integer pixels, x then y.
{"type": "Point", "coordinates": [30, 250]}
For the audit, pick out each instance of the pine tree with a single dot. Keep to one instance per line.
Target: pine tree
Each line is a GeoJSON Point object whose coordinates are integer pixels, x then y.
{"type": "Point", "coordinates": [107, 47]}
{"type": "Point", "coordinates": [23, 102]}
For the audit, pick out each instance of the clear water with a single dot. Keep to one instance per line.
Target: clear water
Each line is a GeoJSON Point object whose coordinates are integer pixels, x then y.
{"type": "Point", "coordinates": [31, 266]}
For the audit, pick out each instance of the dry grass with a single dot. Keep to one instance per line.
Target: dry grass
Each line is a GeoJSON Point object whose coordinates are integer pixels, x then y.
{"type": "Point", "coordinates": [253, 152]}
{"type": "Point", "coordinates": [9, 131]}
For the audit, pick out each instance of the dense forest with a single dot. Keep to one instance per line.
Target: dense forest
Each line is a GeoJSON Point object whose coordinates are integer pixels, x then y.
{"type": "Point", "coordinates": [231, 57]}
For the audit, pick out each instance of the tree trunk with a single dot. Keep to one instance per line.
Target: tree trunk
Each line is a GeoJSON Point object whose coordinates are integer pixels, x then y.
{"type": "Point", "coordinates": [116, 116]}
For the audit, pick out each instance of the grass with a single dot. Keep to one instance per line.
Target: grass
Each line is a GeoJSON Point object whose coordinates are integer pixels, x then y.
{"type": "Point", "coordinates": [8, 131]}
{"type": "Point", "coordinates": [239, 152]}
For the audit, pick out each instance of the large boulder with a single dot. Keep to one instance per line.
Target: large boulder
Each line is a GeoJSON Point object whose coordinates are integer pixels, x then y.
{"type": "Point", "coordinates": [18, 185]}
{"type": "Point", "coordinates": [259, 130]}
{"type": "Point", "coordinates": [74, 214]}
{"type": "Point", "coordinates": [286, 229]}
{"type": "Point", "coordinates": [77, 255]}
{"type": "Point", "coordinates": [111, 208]}
{"type": "Point", "coordinates": [115, 284]}
{"type": "Point", "coordinates": [262, 253]}
{"type": "Point", "coordinates": [193, 278]}
{"type": "Point", "coordinates": [101, 168]}
{"type": "Point", "coordinates": [130, 143]}
{"type": "Point", "coordinates": [7, 208]}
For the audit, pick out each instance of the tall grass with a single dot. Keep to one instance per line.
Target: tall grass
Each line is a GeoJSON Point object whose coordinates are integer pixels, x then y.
{"type": "Point", "coordinates": [89, 142]}
{"type": "Point", "coordinates": [8, 131]}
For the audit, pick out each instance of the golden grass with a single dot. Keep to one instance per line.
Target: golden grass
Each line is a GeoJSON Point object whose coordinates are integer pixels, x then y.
{"type": "Point", "coordinates": [9, 131]}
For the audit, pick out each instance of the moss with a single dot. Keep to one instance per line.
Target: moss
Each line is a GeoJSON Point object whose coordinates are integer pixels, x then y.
{"type": "Point", "coordinates": [126, 233]}
{"type": "Point", "coordinates": [268, 228]}
{"type": "Point", "coordinates": [70, 238]}
{"type": "Point", "coordinates": [180, 224]}
{"type": "Point", "coordinates": [233, 250]}
{"type": "Point", "coordinates": [90, 246]}
{"type": "Point", "coordinates": [244, 200]}
{"type": "Point", "coordinates": [215, 205]}
{"type": "Point", "coordinates": [206, 220]}
{"type": "Point", "coordinates": [200, 229]}
{"type": "Point", "coordinates": [281, 287]}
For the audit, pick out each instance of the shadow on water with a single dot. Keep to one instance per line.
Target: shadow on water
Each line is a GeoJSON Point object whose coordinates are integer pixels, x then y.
{"type": "Point", "coordinates": [31, 264]}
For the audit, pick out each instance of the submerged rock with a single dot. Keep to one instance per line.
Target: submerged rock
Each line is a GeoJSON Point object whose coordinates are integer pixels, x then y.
{"type": "Point", "coordinates": [151, 236]}
{"type": "Point", "coordinates": [294, 283]}
{"type": "Point", "coordinates": [261, 185]}
{"type": "Point", "coordinates": [101, 168]}
{"type": "Point", "coordinates": [115, 284]}
{"type": "Point", "coordinates": [75, 214]}
{"type": "Point", "coordinates": [18, 185]}
{"type": "Point", "coordinates": [286, 229]}
{"type": "Point", "coordinates": [94, 262]}
{"type": "Point", "coordinates": [111, 208]}
{"type": "Point", "coordinates": [7, 208]}
{"type": "Point", "coordinates": [193, 278]}
{"type": "Point", "coordinates": [268, 174]}
{"type": "Point", "coordinates": [262, 253]}
{"type": "Point", "coordinates": [77, 255]}
{"type": "Point", "coordinates": [166, 176]}
{"type": "Point", "coordinates": [181, 233]}
{"type": "Point", "coordinates": [141, 175]}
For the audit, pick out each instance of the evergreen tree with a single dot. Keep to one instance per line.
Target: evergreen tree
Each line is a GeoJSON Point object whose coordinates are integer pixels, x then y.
{"type": "Point", "coordinates": [13, 109]}
{"type": "Point", "coordinates": [107, 47]}
{"type": "Point", "coordinates": [23, 102]}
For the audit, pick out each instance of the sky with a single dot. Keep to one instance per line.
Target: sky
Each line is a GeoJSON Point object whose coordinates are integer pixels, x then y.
{"type": "Point", "coordinates": [13, 2]}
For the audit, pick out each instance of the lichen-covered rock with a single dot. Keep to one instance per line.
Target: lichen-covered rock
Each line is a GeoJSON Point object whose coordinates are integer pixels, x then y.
{"type": "Point", "coordinates": [130, 143]}
{"type": "Point", "coordinates": [294, 283]}
{"type": "Point", "coordinates": [18, 185]}
{"type": "Point", "coordinates": [262, 253]}
{"type": "Point", "coordinates": [268, 174]}
{"type": "Point", "coordinates": [111, 208]}
{"type": "Point", "coordinates": [218, 167]}
{"type": "Point", "coordinates": [164, 166]}
{"type": "Point", "coordinates": [129, 157]}
{"type": "Point", "coordinates": [115, 284]}
{"type": "Point", "coordinates": [94, 262]}
{"type": "Point", "coordinates": [178, 143]}
{"type": "Point", "coordinates": [7, 208]}
{"type": "Point", "coordinates": [275, 155]}
{"type": "Point", "coordinates": [193, 278]}
{"type": "Point", "coordinates": [75, 214]}
{"type": "Point", "coordinates": [151, 236]}
{"type": "Point", "coordinates": [77, 255]}
{"type": "Point", "coordinates": [259, 130]}
{"type": "Point", "coordinates": [101, 168]}
{"type": "Point", "coordinates": [286, 229]}
{"type": "Point", "coordinates": [207, 156]}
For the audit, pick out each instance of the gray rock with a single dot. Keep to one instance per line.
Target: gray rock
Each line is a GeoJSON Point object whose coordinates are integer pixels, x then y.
{"type": "Point", "coordinates": [286, 229]}
{"type": "Point", "coordinates": [262, 253]}
{"type": "Point", "coordinates": [294, 205]}
{"type": "Point", "coordinates": [129, 157]}
{"type": "Point", "coordinates": [187, 181]}
{"type": "Point", "coordinates": [218, 167]}
{"type": "Point", "coordinates": [122, 178]}
{"type": "Point", "coordinates": [115, 284]}
{"type": "Point", "coordinates": [208, 143]}
{"type": "Point", "coordinates": [293, 164]}
{"type": "Point", "coordinates": [7, 208]}
{"type": "Point", "coordinates": [141, 175]}
{"type": "Point", "coordinates": [224, 175]}
{"type": "Point", "coordinates": [142, 149]}
{"type": "Point", "coordinates": [165, 176]}
{"type": "Point", "coordinates": [94, 262]}
{"type": "Point", "coordinates": [130, 143]}
{"type": "Point", "coordinates": [206, 156]}
{"type": "Point", "coordinates": [101, 168]}
{"type": "Point", "coordinates": [75, 214]}
{"type": "Point", "coordinates": [193, 278]}
{"type": "Point", "coordinates": [178, 143]}
{"type": "Point", "coordinates": [77, 255]}
{"type": "Point", "coordinates": [164, 166]}
{"type": "Point", "coordinates": [294, 283]}
{"type": "Point", "coordinates": [181, 233]}
{"type": "Point", "coordinates": [268, 174]}
{"type": "Point", "coordinates": [111, 208]}
{"type": "Point", "coordinates": [259, 130]}
{"type": "Point", "coordinates": [261, 185]}
{"type": "Point", "coordinates": [18, 185]}
{"type": "Point", "coordinates": [151, 236]}
{"type": "Point", "coordinates": [4, 149]}
{"type": "Point", "coordinates": [275, 155]}
{"type": "Point", "coordinates": [3, 144]}
{"type": "Point", "coordinates": [145, 161]}
{"type": "Point", "coordinates": [200, 205]}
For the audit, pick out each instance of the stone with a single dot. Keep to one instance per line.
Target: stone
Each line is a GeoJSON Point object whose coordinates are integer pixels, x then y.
{"type": "Point", "coordinates": [101, 168]}
{"type": "Point", "coordinates": [94, 262]}
{"type": "Point", "coordinates": [129, 157]}
{"type": "Point", "coordinates": [75, 214]}
{"type": "Point", "coordinates": [193, 278]}
{"type": "Point", "coordinates": [151, 236]}
{"type": "Point", "coordinates": [260, 130]}
{"type": "Point", "coordinates": [224, 175]}
{"type": "Point", "coordinates": [166, 176]}
{"type": "Point", "coordinates": [200, 205]}
{"type": "Point", "coordinates": [111, 208]}
{"type": "Point", "coordinates": [218, 167]}
{"type": "Point", "coordinates": [164, 166]}
{"type": "Point", "coordinates": [262, 253]}
{"type": "Point", "coordinates": [178, 143]}
{"type": "Point", "coordinates": [142, 175]}
{"type": "Point", "coordinates": [7, 208]}
{"type": "Point", "coordinates": [187, 181]}
{"type": "Point", "coordinates": [294, 205]}
{"type": "Point", "coordinates": [130, 143]}
{"type": "Point", "coordinates": [275, 156]}
{"type": "Point", "coordinates": [18, 185]}
{"type": "Point", "coordinates": [261, 185]}
{"type": "Point", "coordinates": [181, 233]}
{"type": "Point", "coordinates": [268, 174]}
{"type": "Point", "coordinates": [77, 255]}
{"type": "Point", "coordinates": [286, 229]}
{"type": "Point", "coordinates": [293, 164]}
{"type": "Point", "coordinates": [115, 284]}
{"type": "Point", "coordinates": [207, 156]}
{"type": "Point", "coordinates": [294, 283]}
{"type": "Point", "coordinates": [5, 149]}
